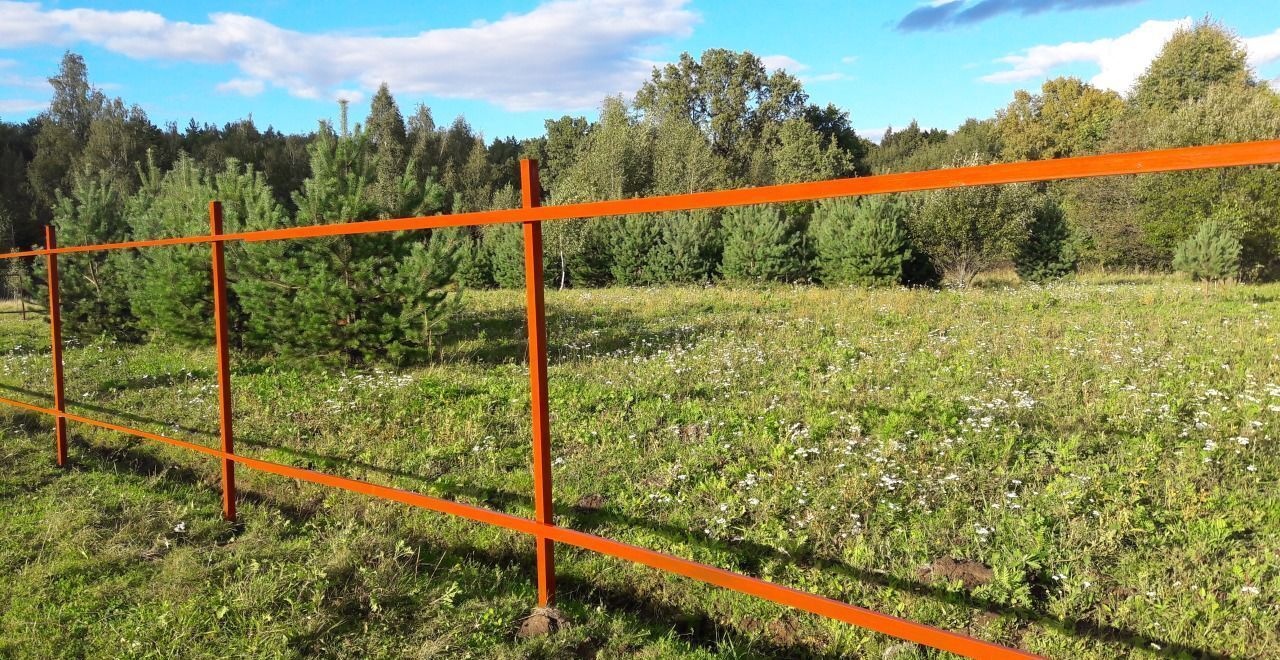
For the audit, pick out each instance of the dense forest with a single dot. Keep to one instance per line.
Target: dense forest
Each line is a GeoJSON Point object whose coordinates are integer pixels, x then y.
{"type": "Point", "coordinates": [100, 171]}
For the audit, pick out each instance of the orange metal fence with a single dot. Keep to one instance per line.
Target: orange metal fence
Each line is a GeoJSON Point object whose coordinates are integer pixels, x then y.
{"type": "Point", "coordinates": [542, 527]}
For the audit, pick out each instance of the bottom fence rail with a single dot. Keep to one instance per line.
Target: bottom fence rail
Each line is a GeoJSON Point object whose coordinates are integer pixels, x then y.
{"type": "Point", "coordinates": [820, 605]}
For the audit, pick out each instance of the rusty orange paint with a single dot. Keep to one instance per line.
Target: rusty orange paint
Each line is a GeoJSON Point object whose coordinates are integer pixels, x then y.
{"type": "Point", "coordinates": [224, 363]}
{"type": "Point", "coordinates": [531, 197]}
{"type": "Point", "coordinates": [55, 332]}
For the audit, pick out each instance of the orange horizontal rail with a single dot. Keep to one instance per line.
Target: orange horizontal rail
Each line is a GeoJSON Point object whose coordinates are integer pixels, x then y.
{"type": "Point", "coordinates": [1266, 152]}
{"type": "Point", "coordinates": [890, 625]}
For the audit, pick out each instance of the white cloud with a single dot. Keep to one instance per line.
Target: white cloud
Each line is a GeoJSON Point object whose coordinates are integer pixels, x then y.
{"type": "Point", "coordinates": [562, 54]}
{"type": "Point", "coordinates": [1264, 49]}
{"type": "Point", "coordinates": [1120, 60]}
{"type": "Point", "coordinates": [790, 64]}
{"type": "Point", "coordinates": [849, 59]}
{"type": "Point", "coordinates": [22, 105]}
{"type": "Point", "coordinates": [26, 82]}
{"type": "Point", "coordinates": [242, 86]}
{"type": "Point", "coordinates": [873, 134]}
{"type": "Point", "coordinates": [350, 95]}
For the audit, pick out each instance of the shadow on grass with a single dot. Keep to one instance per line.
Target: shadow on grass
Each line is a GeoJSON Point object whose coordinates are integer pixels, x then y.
{"type": "Point", "coordinates": [697, 629]}
{"type": "Point", "coordinates": [505, 335]}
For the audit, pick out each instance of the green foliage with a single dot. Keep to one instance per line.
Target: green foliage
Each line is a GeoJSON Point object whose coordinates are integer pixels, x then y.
{"type": "Point", "coordinates": [761, 244]}
{"type": "Point", "coordinates": [475, 265]}
{"type": "Point", "coordinates": [1049, 252]}
{"type": "Point", "coordinates": [171, 291]}
{"type": "Point", "coordinates": [93, 288]}
{"type": "Point", "coordinates": [802, 154]}
{"type": "Point", "coordinates": [862, 242]}
{"type": "Point", "coordinates": [172, 287]}
{"type": "Point", "coordinates": [63, 132]}
{"type": "Point", "coordinates": [683, 160]}
{"type": "Point", "coordinates": [592, 260]}
{"type": "Point", "coordinates": [897, 147]}
{"type": "Point", "coordinates": [505, 246]}
{"type": "Point", "coordinates": [1191, 62]}
{"type": "Point", "coordinates": [1067, 118]}
{"type": "Point", "coordinates": [348, 298]}
{"type": "Point", "coordinates": [633, 240]}
{"type": "Point", "coordinates": [733, 96]}
{"type": "Point", "coordinates": [1198, 91]}
{"type": "Point", "coordinates": [1212, 254]}
{"type": "Point", "coordinates": [386, 133]}
{"type": "Point", "coordinates": [968, 230]}
{"type": "Point", "coordinates": [1227, 113]}
{"type": "Point", "coordinates": [690, 249]}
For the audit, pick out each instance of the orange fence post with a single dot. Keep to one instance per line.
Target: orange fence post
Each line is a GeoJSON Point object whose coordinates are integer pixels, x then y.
{"type": "Point", "coordinates": [224, 364]}
{"type": "Point", "coordinates": [531, 196]}
{"type": "Point", "coordinates": [55, 331]}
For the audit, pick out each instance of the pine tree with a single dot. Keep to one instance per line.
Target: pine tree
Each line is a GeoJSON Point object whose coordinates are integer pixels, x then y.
{"type": "Point", "coordinates": [505, 245]}
{"type": "Point", "coordinates": [352, 298]}
{"type": "Point", "coordinates": [633, 239]}
{"type": "Point", "coordinates": [94, 287]}
{"type": "Point", "coordinates": [761, 244]}
{"type": "Point", "coordinates": [475, 267]}
{"type": "Point", "coordinates": [863, 243]}
{"type": "Point", "coordinates": [690, 249]}
{"type": "Point", "coordinates": [592, 252]}
{"type": "Point", "coordinates": [387, 139]}
{"type": "Point", "coordinates": [1212, 254]}
{"type": "Point", "coordinates": [1048, 253]}
{"type": "Point", "coordinates": [172, 292]}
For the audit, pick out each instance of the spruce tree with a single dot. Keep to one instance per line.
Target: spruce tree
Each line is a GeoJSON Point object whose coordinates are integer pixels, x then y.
{"type": "Point", "coordinates": [689, 250]}
{"type": "Point", "coordinates": [1211, 254]}
{"type": "Point", "coordinates": [863, 242]}
{"type": "Point", "coordinates": [761, 244]}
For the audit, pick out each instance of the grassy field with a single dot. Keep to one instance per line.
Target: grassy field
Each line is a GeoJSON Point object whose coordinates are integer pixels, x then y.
{"type": "Point", "coordinates": [1099, 458]}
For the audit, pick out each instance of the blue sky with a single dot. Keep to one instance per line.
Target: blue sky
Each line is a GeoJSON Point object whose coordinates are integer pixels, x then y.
{"type": "Point", "coordinates": [508, 65]}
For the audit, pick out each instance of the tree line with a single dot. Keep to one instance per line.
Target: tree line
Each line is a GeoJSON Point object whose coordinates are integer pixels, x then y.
{"type": "Point", "coordinates": [100, 171]}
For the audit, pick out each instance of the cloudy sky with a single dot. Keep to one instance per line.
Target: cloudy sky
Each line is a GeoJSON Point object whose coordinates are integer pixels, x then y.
{"type": "Point", "coordinates": [510, 64]}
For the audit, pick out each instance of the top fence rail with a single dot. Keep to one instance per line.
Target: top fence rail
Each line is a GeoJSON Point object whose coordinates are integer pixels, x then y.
{"type": "Point", "coordinates": [1265, 152]}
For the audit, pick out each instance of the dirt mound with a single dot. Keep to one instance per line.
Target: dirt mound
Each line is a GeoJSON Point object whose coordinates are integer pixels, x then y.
{"type": "Point", "coordinates": [543, 621]}
{"type": "Point", "coordinates": [971, 573]}
{"type": "Point", "coordinates": [592, 502]}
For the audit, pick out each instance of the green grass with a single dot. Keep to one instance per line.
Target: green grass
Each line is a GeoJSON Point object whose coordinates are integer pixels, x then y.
{"type": "Point", "coordinates": [1108, 448]}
